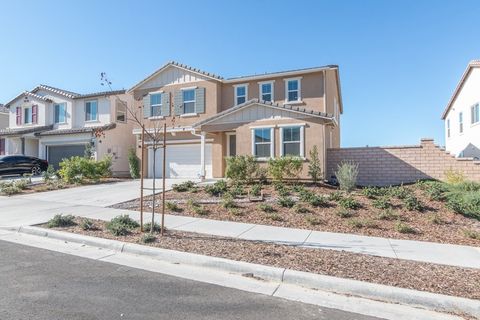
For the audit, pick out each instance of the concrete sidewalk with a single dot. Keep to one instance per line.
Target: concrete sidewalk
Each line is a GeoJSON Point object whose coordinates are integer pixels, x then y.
{"type": "Point", "coordinates": [16, 211]}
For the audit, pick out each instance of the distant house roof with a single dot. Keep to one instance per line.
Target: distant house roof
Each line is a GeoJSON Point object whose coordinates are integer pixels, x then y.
{"type": "Point", "coordinates": [3, 109]}
{"type": "Point", "coordinates": [20, 131]}
{"type": "Point", "coordinates": [472, 64]}
{"type": "Point", "coordinates": [284, 107]}
{"type": "Point", "coordinates": [56, 132]}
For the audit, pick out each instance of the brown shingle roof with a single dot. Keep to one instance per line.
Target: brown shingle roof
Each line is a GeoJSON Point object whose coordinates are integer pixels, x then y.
{"type": "Point", "coordinates": [20, 131]}
{"type": "Point", "coordinates": [58, 132]}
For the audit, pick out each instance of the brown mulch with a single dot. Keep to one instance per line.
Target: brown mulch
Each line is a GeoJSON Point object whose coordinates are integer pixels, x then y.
{"type": "Point", "coordinates": [449, 280]}
{"type": "Point", "coordinates": [451, 228]}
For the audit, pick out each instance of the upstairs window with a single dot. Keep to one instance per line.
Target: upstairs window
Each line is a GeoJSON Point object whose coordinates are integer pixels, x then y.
{"type": "Point", "coordinates": [60, 110]}
{"type": "Point", "coordinates": [27, 115]}
{"type": "Point", "coordinates": [188, 101]}
{"type": "Point", "coordinates": [262, 144]}
{"type": "Point", "coordinates": [155, 104]}
{"type": "Point", "coordinates": [91, 110]}
{"type": "Point", "coordinates": [121, 111]}
{"type": "Point", "coordinates": [241, 93]}
{"type": "Point", "coordinates": [292, 90]}
{"type": "Point", "coordinates": [475, 113]}
{"type": "Point", "coordinates": [266, 91]}
{"type": "Point", "coordinates": [460, 122]}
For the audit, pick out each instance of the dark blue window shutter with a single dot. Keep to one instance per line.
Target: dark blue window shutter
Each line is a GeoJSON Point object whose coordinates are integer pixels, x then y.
{"type": "Point", "coordinates": [178, 102]}
{"type": "Point", "coordinates": [147, 108]}
{"type": "Point", "coordinates": [165, 104]}
{"type": "Point", "coordinates": [200, 100]}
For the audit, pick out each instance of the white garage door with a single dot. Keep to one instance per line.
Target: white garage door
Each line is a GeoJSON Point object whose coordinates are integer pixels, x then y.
{"type": "Point", "coordinates": [183, 161]}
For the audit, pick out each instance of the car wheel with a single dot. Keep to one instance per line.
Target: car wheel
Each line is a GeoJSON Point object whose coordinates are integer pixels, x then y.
{"type": "Point", "coordinates": [36, 171]}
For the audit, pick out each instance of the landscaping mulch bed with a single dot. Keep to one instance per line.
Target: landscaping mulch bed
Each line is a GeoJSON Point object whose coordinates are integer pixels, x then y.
{"type": "Point", "coordinates": [456, 281]}
{"type": "Point", "coordinates": [435, 223]}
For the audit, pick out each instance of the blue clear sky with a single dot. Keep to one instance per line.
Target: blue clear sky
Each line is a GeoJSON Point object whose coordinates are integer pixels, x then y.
{"type": "Point", "coordinates": [399, 60]}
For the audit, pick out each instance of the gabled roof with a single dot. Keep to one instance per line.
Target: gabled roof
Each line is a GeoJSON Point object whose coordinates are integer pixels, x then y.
{"type": "Point", "coordinates": [472, 64]}
{"type": "Point", "coordinates": [30, 94]}
{"type": "Point", "coordinates": [285, 73]}
{"type": "Point", "coordinates": [57, 132]}
{"type": "Point", "coordinates": [101, 93]}
{"type": "Point", "coordinates": [66, 93]}
{"type": "Point", "coordinates": [20, 131]}
{"type": "Point", "coordinates": [283, 107]}
{"type": "Point", "coordinates": [176, 65]}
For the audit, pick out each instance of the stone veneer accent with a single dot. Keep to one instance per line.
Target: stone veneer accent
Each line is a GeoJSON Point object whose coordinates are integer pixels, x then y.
{"type": "Point", "coordinates": [383, 166]}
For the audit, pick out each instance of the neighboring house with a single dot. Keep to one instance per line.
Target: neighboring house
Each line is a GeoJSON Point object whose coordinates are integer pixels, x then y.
{"type": "Point", "coordinates": [268, 115]}
{"type": "Point", "coordinates": [53, 124]}
{"type": "Point", "coordinates": [462, 115]}
{"type": "Point", "coordinates": [3, 125]}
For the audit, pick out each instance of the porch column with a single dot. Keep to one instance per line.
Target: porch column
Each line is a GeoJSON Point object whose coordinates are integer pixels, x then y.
{"type": "Point", "coordinates": [202, 155]}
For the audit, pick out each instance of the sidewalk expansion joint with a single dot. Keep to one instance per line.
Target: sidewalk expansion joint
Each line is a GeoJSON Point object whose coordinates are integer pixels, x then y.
{"type": "Point", "coordinates": [243, 232]}
{"type": "Point", "coordinates": [308, 236]}
{"type": "Point", "coordinates": [393, 249]}
{"type": "Point", "coordinates": [108, 255]}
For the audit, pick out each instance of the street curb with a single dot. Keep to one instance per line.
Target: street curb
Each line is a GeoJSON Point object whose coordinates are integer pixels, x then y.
{"type": "Point", "coordinates": [413, 298]}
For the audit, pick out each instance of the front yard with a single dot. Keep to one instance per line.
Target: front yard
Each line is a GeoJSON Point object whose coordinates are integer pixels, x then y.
{"type": "Point", "coordinates": [417, 212]}
{"type": "Point", "coordinates": [456, 281]}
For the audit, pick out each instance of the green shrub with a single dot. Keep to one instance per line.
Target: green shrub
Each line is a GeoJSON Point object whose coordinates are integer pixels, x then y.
{"type": "Point", "coordinates": [22, 184]}
{"type": "Point", "coordinates": [192, 203]}
{"type": "Point", "coordinates": [318, 201]}
{"type": "Point", "coordinates": [237, 190]}
{"type": "Point", "coordinates": [242, 169]}
{"type": "Point", "coordinates": [374, 192]}
{"type": "Point", "coordinates": [200, 210]}
{"type": "Point", "coordinates": [306, 195]}
{"type": "Point", "coordinates": [299, 188]}
{"type": "Point", "coordinates": [344, 213]}
{"type": "Point", "coordinates": [49, 174]}
{"type": "Point", "coordinates": [256, 190]}
{"type": "Point", "coordinates": [184, 186]}
{"type": "Point", "coordinates": [275, 217]}
{"type": "Point", "coordinates": [126, 221]}
{"type": "Point", "coordinates": [347, 174]}
{"type": "Point", "coordinates": [87, 224]}
{"type": "Point", "coordinates": [400, 192]}
{"type": "Point", "coordinates": [436, 219]}
{"type": "Point", "coordinates": [133, 164]}
{"type": "Point", "coordinates": [9, 188]}
{"type": "Point", "coordinates": [236, 212]}
{"type": "Point", "coordinates": [266, 208]}
{"type": "Point", "coordinates": [286, 202]}
{"type": "Point", "coordinates": [381, 203]}
{"type": "Point", "coordinates": [61, 221]}
{"type": "Point", "coordinates": [148, 227]}
{"type": "Point", "coordinates": [314, 165]}
{"type": "Point", "coordinates": [411, 203]}
{"type": "Point", "coordinates": [472, 234]}
{"type": "Point", "coordinates": [465, 203]}
{"type": "Point", "coordinates": [404, 228]}
{"type": "Point", "coordinates": [148, 238]}
{"type": "Point", "coordinates": [335, 196]}
{"type": "Point", "coordinates": [217, 189]}
{"type": "Point", "coordinates": [312, 220]}
{"type": "Point", "coordinates": [388, 214]}
{"type": "Point", "coordinates": [465, 186]}
{"type": "Point", "coordinates": [349, 203]}
{"type": "Point", "coordinates": [454, 176]}
{"type": "Point", "coordinates": [228, 201]}
{"type": "Point", "coordinates": [362, 223]}
{"type": "Point", "coordinates": [298, 208]}
{"type": "Point", "coordinates": [77, 169]}
{"type": "Point", "coordinates": [436, 191]}
{"type": "Point", "coordinates": [118, 229]}
{"type": "Point", "coordinates": [172, 206]}
{"type": "Point", "coordinates": [284, 167]}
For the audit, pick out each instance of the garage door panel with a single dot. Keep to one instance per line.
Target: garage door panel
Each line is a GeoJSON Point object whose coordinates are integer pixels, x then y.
{"type": "Point", "coordinates": [183, 161]}
{"type": "Point", "coordinates": [55, 154]}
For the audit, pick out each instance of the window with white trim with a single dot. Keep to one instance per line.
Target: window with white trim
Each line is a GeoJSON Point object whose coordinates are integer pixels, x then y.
{"type": "Point", "coordinates": [262, 142]}
{"type": "Point", "coordinates": [60, 111]}
{"type": "Point", "coordinates": [188, 101]}
{"type": "Point", "coordinates": [155, 104]}
{"type": "Point", "coordinates": [91, 110]}
{"type": "Point", "coordinates": [292, 141]}
{"type": "Point", "coordinates": [292, 90]}
{"type": "Point", "coordinates": [266, 91]}
{"type": "Point", "coordinates": [121, 111]}
{"type": "Point", "coordinates": [27, 115]}
{"type": "Point", "coordinates": [241, 93]}
{"type": "Point", "coordinates": [448, 128]}
{"type": "Point", "coordinates": [475, 113]}
{"type": "Point", "coordinates": [460, 122]}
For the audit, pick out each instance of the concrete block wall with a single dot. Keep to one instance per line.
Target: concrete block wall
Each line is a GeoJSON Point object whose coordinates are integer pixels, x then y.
{"type": "Point", "coordinates": [382, 166]}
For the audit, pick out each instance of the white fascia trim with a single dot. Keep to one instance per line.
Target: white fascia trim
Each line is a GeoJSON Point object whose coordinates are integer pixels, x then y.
{"type": "Point", "coordinates": [150, 130]}
{"type": "Point", "coordinates": [264, 126]}
{"type": "Point", "coordinates": [189, 88]}
{"type": "Point", "coordinates": [299, 99]}
{"type": "Point", "coordinates": [188, 115]}
{"type": "Point", "coordinates": [292, 125]}
{"type": "Point", "coordinates": [156, 92]}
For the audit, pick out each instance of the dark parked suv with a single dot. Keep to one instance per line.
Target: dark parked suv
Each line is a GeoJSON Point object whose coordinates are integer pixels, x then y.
{"type": "Point", "coordinates": [19, 164]}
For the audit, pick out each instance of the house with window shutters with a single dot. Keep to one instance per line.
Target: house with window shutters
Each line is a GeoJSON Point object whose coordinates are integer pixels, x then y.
{"type": "Point", "coordinates": [53, 124]}
{"type": "Point", "coordinates": [462, 115]}
{"type": "Point", "coordinates": [209, 117]}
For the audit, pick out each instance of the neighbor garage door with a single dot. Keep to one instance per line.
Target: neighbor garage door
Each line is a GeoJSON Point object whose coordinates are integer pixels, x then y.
{"type": "Point", "coordinates": [55, 154]}
{"type": "Point", "coordinates": [183, 161]}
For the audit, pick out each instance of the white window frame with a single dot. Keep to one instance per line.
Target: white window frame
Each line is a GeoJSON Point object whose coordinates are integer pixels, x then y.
{"type": "Point", "coordinates": [272, 92]}
{"type": "Point", "coordinates": [302, 138]}
{"type": "Point", "coordinates": [235, 87]}
{"type": "Point", "coordinates": [460, 122]}
{"type": "Point", "coordinates": [25, 118]}
{"type": "Point", "coordinates": [299, 89]}
{"type": "Point", "coordinates": [117, 103]}
{"type": "Point", "coordinates": [96, 114]}
{"type": "Point", "coordinates": [475, 115]}
{"type": "Point", "coordinates": [448, 128]}
{"type": "Point", "coordinates": [194, 113]}
{"type": "Point", "coordinates": [272, 142]}
{"type": "Point", "coordinates": [229, 135]}
{"type": "Point", "coordinates": [156, 105]}
{"type": "Point", "coordinates": [65, 112]}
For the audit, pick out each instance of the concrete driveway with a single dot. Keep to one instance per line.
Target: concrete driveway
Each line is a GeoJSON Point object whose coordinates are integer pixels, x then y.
{"type": "Point", "coordinates": [100, 195]}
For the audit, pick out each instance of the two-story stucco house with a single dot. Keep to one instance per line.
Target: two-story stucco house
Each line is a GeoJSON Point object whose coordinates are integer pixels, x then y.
{"type": "Point", "coordinates": [462, 115]}
{"type": "Point", "coordinates": [3, 125]}
{"type": "Point", "coordinates": [53, 124]}
{"type": "Point", "coordinates": [267, 115]}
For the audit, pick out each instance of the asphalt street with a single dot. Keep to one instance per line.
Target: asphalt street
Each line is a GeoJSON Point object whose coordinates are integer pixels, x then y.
{"type": "Point", "coordinates": [40, 284]}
